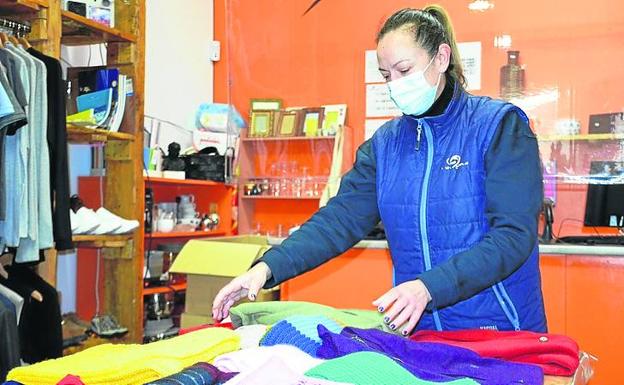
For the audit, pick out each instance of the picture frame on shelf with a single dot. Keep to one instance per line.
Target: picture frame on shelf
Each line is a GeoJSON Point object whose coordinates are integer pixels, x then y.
{"type": "Point", "coordinates": [312, 121]}
{"type": "Point", "coordinates": [334, 116]}
{"type": "Point", "coordinates": [261, 125]}
{"type": "Point", "coordinates": [287, 123]}
{"type": "Point", "coordinates": [263, 104]}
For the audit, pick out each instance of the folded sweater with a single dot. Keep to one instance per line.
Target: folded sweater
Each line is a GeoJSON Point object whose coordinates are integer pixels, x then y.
{"type": "Point", "coordinates": [131, 364]}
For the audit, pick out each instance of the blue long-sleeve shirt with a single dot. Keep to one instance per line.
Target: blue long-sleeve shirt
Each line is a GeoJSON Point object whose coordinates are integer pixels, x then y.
{"type": "Point", "coordinates": [513, 200]}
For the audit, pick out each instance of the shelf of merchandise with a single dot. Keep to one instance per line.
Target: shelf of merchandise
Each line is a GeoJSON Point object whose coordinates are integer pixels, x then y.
{"type": "Point", "coordinates": [101, 241]}
{"type": "Point", "coordinates": [182, 182]}
{"type": "Point", "coordinates": [287, 138]}
{"type": "Point", "coordinates": [78, 30]}
{"type": "Point", "coordinates": [186, 234]}
{"type": "Point", "coordinates": [583, 137]}
{"type": "Point", "coordinates": [79, 134]}
{"type": "Point", "coordinates": [164, 289]}
{"type": "Point", "coordinates": [265, 197]}
{"type": "Point", "coordinates": [21, 6]}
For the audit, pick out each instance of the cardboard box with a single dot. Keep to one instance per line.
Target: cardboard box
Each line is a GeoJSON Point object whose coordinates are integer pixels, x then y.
{"type": "Point", "coordinates": [211, 263]}
{"type": "Point", "coordinates": [188, 320]}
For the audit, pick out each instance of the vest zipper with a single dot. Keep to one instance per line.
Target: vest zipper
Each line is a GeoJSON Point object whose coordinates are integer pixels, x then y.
{"type": "Point", "coordinates": [424, 192]}
{"type": "Point", "coordinates": [418, 134]}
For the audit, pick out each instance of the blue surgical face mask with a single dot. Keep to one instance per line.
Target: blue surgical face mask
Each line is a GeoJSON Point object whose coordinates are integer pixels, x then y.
{"type": "Point", "coordinates": [412, 94]}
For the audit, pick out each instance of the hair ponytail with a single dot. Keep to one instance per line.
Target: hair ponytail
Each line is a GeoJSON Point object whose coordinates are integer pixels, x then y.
{"type": "Point", "coordinates": [431, 27]}
{"type": "Point", "coordinates": [455, 65]}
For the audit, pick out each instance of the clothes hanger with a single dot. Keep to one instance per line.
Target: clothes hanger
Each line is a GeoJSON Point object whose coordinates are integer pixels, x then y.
{"type": "Point", "coordinates": [22, 40]}
{"type": "Point", "coordinates": [13, 40]}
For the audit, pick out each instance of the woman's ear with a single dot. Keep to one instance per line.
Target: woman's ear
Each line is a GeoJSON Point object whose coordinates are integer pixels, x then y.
{"type": "Point", "coordinates": [443, 57]}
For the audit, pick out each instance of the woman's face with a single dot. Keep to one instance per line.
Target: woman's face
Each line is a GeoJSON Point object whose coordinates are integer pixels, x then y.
{"type": "Point", "coordinates": [399, 55]}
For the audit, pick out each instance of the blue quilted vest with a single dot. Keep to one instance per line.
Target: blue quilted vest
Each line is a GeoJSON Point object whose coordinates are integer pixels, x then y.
{"type": "Point", "coordinates": [431, 197]}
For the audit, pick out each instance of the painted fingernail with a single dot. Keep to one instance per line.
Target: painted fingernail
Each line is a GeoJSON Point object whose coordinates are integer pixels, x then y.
{"type": "Point", "coordinates": [253, 297]}
{"type": "Point", "coordinates": [386, 319]}
{"type": "Point", "coordinates": [404, 332]}
{"type": "Point", "coordinates": [393, 326]}
{"type": "Point", "coordinates": [380, 308]}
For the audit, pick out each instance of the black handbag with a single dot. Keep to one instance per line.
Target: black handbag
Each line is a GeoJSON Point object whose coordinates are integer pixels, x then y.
{"type": "Point", "coordinates": [207, 164]}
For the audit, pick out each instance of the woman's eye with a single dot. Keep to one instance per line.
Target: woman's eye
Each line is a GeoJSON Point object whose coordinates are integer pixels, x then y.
{"type": "Point", "coordinates": [404, 72]}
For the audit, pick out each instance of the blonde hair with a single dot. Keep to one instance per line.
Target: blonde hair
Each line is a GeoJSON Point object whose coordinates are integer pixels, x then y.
{"type": "Point", "coordinates": [431, 27]}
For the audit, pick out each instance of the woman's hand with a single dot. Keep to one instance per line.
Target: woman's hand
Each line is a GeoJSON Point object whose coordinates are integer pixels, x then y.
{"type": "Point", "coordinates": [248, 284]}
{"type": "Point", "coordinates": [403, 305]}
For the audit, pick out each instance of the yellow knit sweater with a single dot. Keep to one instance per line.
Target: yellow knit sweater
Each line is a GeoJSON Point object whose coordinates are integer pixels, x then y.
{"type": "Point", "coordinates": [131, 364]}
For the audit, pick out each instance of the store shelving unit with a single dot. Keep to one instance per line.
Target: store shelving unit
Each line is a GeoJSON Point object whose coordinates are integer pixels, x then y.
{"type": "Point", "coordinates": [257, 158]}
{"type": "Point", "coordinates": [101, 241]}
{"type": "Point", "coordinates": [122, 254]}
{"type": "Point", "coordinates": [78, 134]}
{"type": "Point", "coordinates": [164, 289]}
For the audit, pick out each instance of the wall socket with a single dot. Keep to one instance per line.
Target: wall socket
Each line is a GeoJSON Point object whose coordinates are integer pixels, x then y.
{"type": "Point", "coordinates": [214, 50]}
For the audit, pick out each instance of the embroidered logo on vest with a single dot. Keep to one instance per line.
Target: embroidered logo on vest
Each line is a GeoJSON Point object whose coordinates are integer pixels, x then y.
{"type": "Point", "coordinates": [454, 163]}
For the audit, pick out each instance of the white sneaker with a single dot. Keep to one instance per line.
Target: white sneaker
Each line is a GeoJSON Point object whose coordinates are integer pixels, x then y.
{"type": "Point", "coordinates": [83, 221]}
{"type": "Point", "coordinates": [105, 226]}
{"type": "Point", "coordinates": [126, 225]}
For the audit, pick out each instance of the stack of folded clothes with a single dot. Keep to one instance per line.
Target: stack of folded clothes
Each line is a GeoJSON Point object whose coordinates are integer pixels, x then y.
{"type": "Point", "coordinates": [297, 343]}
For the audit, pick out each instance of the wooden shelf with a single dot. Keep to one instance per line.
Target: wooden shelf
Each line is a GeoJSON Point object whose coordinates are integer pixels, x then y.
{"type": "Point", "coordinates": [288, 139]}
{"type": "Point", "coordinates": [164, 289]}
{"type": "Point", "coordinates": [79, 134]}
{"type": "Point", "coordinates": [183, 182]}
{"type": "Point", "coordinates": [12, 7]}
{"type": "Point", "coordinates": [78, 30]}
{"type": "Point", "coordinates": [265, 197]}
{"type": "Point", "coordinates": [583, 137]}
{"type": "Point", "coordinates": [100, 241]}
{"type": "Point", "coordinates": [187, 234]}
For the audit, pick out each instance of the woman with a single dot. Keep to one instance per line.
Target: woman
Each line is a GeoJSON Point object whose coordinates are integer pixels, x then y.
{"type": "Point", "coordinates": [457, 183]}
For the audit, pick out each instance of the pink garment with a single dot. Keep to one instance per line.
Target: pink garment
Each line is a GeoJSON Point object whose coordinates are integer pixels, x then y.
{"type": "Point", "coordinates": [70, 380]}
{"type": "Point", "coordinates": [276, 371]}
{"type": "Point", "coordinates": [251, 359]}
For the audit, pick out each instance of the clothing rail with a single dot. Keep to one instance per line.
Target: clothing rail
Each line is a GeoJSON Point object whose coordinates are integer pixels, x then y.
{"type": "Point", "coordinates": [16, 28]}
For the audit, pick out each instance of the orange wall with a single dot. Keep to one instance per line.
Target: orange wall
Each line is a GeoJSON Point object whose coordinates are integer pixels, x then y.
{"type": "Point", "coordinates": [271, 50]}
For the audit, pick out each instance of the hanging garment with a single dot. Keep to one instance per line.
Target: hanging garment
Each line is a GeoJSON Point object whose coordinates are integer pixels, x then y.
{"type": "Point", "coordinates": [40, 235]}
{"type": "Point", "coordinates": [15, 156]}
{"type": "Point", "coordinates": [429, 361]}
{"type": "Point", "coordinates": [57, 145]}
{"type": "Point", "coordinates": [369, 368]}
{"type": "Point", "coordinates": [557, 355]}
{"type": "Point", "coordinates": [16, 300]}
{"type": "Point", "coordinates": [12, 116]}
{"type": "Point", "coordinates": [40, 328]}
{"type": "Point", "coordinates": [131, 364]}
{"type": "Point", "coordinates": [9, 348]}
{"type": "Point", "coordinates": [27, 216]}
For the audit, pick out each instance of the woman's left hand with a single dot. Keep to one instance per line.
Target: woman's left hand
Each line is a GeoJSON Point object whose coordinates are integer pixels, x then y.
{"type": "Point", "coordinates": [403, 305]}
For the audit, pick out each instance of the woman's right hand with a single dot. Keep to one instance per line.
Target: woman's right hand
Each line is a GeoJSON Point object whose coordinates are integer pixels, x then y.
{"type": "Point", "coordinates": [246, 285]}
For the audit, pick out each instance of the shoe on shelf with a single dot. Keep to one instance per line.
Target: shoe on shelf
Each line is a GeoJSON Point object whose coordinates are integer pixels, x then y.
{"type": "Point", "coordinates": [107, 326]}
{"type": "Point", "coordinates": [105, 226]}
{"type": "Point", "coordinates": [125, 225]}
{"type": "Point", "coordinates": [82, 222]}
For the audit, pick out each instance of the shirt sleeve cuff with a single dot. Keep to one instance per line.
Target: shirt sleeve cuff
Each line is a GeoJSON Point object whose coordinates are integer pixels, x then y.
{"type": "Point", "coordinates": [442, 289]}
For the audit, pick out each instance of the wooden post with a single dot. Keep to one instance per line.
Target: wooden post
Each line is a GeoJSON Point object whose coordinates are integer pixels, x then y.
{"type": "Point", "coordinates": [124, 178]}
